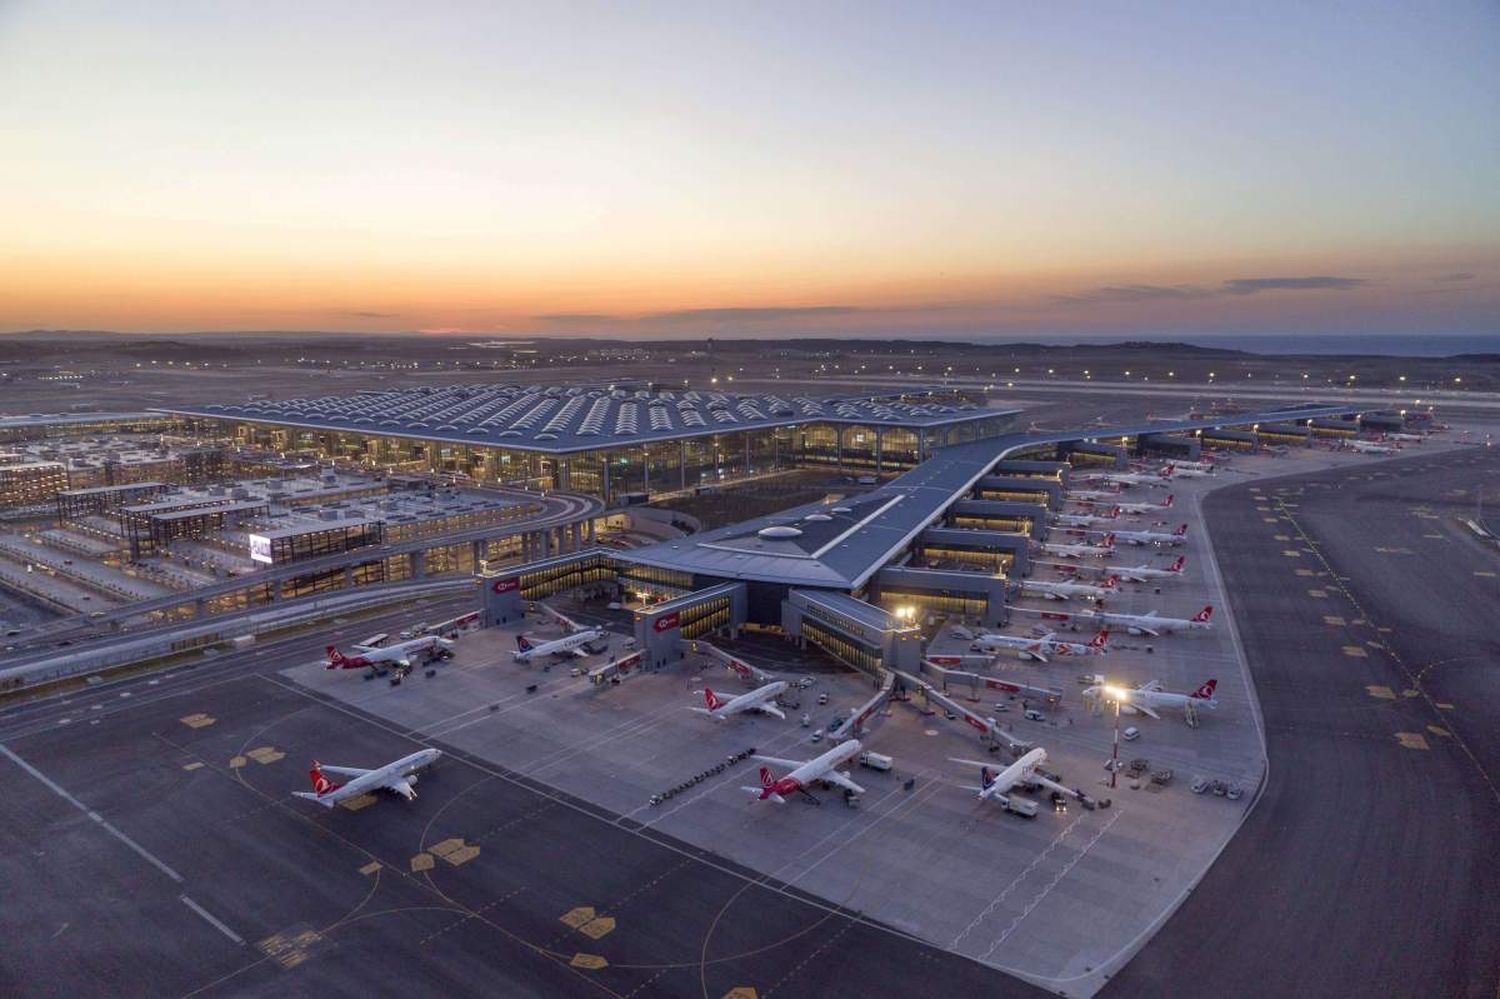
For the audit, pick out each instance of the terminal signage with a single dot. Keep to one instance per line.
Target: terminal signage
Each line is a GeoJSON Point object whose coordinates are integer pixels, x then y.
{"type": "Point", "coordinates": [666, 622]}
{"type": "Point", "coordinates": [506, 585]}
{"type": "Point", "coordinates": [945, 660]}
{"type": "Point", "coordinates": [260, 548]}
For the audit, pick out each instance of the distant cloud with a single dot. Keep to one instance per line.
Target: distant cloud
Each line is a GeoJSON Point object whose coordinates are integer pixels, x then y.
{"type": "Point", "coordinates": [1321, 282]}
{"type": "Point", "coordinates": [374, 315]}
{"type": "Point", "coordinates": [1135, 293]}
{"type": "Point", "coordinates": [1115, 293]}
{"type": "Point", "coordinates": [575, 317]}
{"type": "Point", "coordinates": [1451, 278]}
{"type": "Point", "coordinates": [746, 315]}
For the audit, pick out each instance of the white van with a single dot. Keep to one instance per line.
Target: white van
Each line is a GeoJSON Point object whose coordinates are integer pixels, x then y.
{"type": "Point", "coordinates": [1131, 733]}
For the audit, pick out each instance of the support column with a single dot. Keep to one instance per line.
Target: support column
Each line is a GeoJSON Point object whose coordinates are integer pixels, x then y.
{"type": "Point", "coordinates": [577, 536]}
{"type": "Point", "coordinates": [418, 565]}
{"type": "Point", "coordinates": [546, 543]}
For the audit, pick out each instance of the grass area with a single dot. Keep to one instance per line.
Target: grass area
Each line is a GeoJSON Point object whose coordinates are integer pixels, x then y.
{"type": "Point", "coordinates": [733, 503]}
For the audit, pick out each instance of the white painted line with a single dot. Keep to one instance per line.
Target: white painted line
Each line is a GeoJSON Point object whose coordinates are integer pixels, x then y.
{"type": "Point", "coordinates": [58, 790]}
{"type": "Point", "coordinates": [211, 920]}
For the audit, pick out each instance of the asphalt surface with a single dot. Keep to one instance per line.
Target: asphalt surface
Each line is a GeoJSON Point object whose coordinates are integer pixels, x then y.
{"type": "Point", "coordinates": [1367, 867]}
{"type": "Point", "coordinates": [146, 851]}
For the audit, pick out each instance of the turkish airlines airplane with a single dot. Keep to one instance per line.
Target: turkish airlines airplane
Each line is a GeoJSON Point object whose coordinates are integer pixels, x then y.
{"type": "Point", "coordinates": [1093, 495]}
{"type": "Point", "coordinates": [1039, 649]}
{"type": "Point", "coordinates": [398, 777]}
{"type": "Point", "coordinates": [1107, 547]}
{"type": "Point", "coordinates": [1153, 624]}
{"type": "Point", "coordinates": [568, 645]}
{"type": "Point", "coordinates": [1160, 477]}
{"type": "Point", "coordinates": [805, 772]}
{"type": "Point", "coordinates": [759, 699]}
{"type": "Point", "coordinates": [996, 786]}
{"type": "Point", "coordinates": [1412, 438]}
{"type": "Point", "coordinates": [1141, 573]}
{"type": "Point", "coordinates": [1165, 504]}
{"type": "Point", "coordinates": [1370, 447]}
{"type": "Point", "coordinates": [1196, 470]}
{"type": "Point", "coordinates": [1148, 698]}
{"type": "Point", "coordinates": [1177, 537]}
{"type": "Point", "coordinates": [1066, 591]}
{"type": "Point", "coordinates": [1085, 519]}
{"type": "Point", "coordinates": [399, 655]}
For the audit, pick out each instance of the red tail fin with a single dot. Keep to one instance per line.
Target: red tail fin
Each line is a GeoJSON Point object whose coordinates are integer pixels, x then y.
{"type": "Point", "coordinates": [1109, 540]}
{"type": "Point", "coordinates": [321, 784]}
{"type": "Point", "coordinates": [713, 702]}
{"type": "Point", "coordinates": [986, 777]}
{"type": "Point", "coordinates": [1181, 531]}
{"type": "Point", "coordinates": [1204, 614]}
{"type": "Point", "coordinates": [1166, 471]}
{"type": "Point", "coordinates": [522, 643]}
{"type": "Point", "coordinates": [765, 777]}
{"type": "Point", "coordinates": [1177, 566]}
{"type": "Point", "coordinates": [1111, 582]}
{"type": "Point", "coordinates": [1169, 499]}
{"type": "Point", "coordinates": [1099, 640]}
{"type": "Point", "coordinates": [335, 657]}
{"type": "Point", "coordinates": [1205, 692]}
{"type": "Point", "coordinates": [1114, 513]}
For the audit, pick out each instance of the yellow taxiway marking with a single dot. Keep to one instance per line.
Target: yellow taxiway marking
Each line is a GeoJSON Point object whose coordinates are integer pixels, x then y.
{"type": "Point", "coordinates": [266, 754]}
{"type": "Point", "coordinates": [357, 802]}
{"type": "Point", "coordinates": [1269, 520]}
{"type": "Point", "coordinates": [1444, 706]}
{"type": "Point", "coordinates": [741, 992]}
{"type": "Point", "coordinates": [593, 962]}
{"type": "Point", "coordinates": [1355, 652]}
{"type": "Point", "coordinates": [422, 862]}
{"type": "Point", "coordinates": [235, 762]}
{"type": "Point", "coordinates": [1305, 572]}
{"type": "Point", "coordinates": [1283, 537]}
{"type": "Point", "coordinates": [597, 927]}
{"type": "Point", "coordinates": [1319, 594]}
{"type": "Point", "coordinates": [1409, 692]}
{"type": "Point", "coordinates": [1291, 553]}
{"type": "Point", "coordinates": [1383, 630]}
{"type": "Point", "coordinates": [1334, 620]}
{"type": "Point", "coordinates": [201, 720]}
{"type": "Point", "coordinates": [191, 766]}
{"type": "Point", "coordinates": [455, 851]}
{"type": "Point", "coordinates": [1486, 575]}
{"type": "Point", "coordinates": [1412, 740]}
{"type": "Point", "coordinates": [1439, 730]}
{"type": "Point", "coordinates": [289, 949]}
{"type": "Point", "coordinates": [576, 917]}
{"type": "Point", "coordinates": [1435, 537]}
{"type": "Point", "coordinates": [370, 868]}
{"type": "Point", "coordinates": [1381, 690]}
{"type": "Point", "coordinates": [1394, 551]}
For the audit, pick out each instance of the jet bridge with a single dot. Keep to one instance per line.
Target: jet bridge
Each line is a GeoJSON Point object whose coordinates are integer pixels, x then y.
{"type": "Point", "coordinates": [946, 674]}
{"type": "Point", "coordinates": [854, 725]}
{"type": "Point", "coordinates": [753, 675]}
{"type": "Point", "coordinates": [990, 734]}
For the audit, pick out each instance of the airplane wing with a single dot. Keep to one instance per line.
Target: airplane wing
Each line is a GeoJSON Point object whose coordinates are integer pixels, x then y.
{"type": "Point", "coordinates": [364, 648]}
{"type": "Point", "coordinates": [327, 800]}
{"type": "Point", "coordinates": [777, 761]}
{"type": "Point", "coordinates": [771, 709]}
{"type": "Point", "coordinates": [350, 772]}
{"type": "Point", "coordinates": [834, 777]}
{"type": "Point", "coordinates": [402, 786]}
{"type": "Point", "coordinates": [1152, 684]}
{"type": "Point", "coordinates": [578, 652]}
{"type": "Point", "coordinates": [1146, 709]}
{"type": "Point", "coordinates": [1148, 630]}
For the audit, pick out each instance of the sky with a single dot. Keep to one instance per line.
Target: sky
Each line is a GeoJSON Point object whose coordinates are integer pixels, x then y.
{"type": "Point", "coordinates": [767, 169]}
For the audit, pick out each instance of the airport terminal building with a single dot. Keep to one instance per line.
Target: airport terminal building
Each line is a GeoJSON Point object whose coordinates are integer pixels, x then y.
{"type": "Point", "coordinates": [615, 443]}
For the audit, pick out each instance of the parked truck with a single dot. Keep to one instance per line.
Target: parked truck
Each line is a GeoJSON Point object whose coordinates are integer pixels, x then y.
{"type": "Point", "coordinates": [875, 761]}
{"type": "Point", "coordinates": [1024, 807]}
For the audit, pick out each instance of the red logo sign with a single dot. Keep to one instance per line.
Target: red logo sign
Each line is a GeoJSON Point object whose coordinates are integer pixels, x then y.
{"type": "Point", "coordinates": [506, 585]}
{"type": "Point", "coordinates": [625, 665]}
{"type": "Point", "coordinates": [945, 660]}
{"type": "Point", "coordinates": [1001, 685]}
{"type": "Point", "coordinates": [666, 622]}
{"type": "Point", "coordinates": [976, 723]}
{"type": "Point", "coordinates": [1054, 616]}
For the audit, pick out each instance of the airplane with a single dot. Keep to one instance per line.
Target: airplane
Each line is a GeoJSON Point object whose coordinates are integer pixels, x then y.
{"type": "Point", "coordinates": [1370, 447]}
{"type": "Point", "coordinates": [1153, 624]}
{"type": "Point", "coordinates": [756, 700]}
{"type": "Point", "coordinates": [1085, 519]}
{"type": "Point", "coordinates": [1078, 551]}
{"type": "Point", "coordinates": [1160, 477]}
{"type": "Point", "coordinates": [1089, 495]}
{"type": "Point", "coordinates": [1194, 471]}
{"type": "Point", "coordinates": [1196, 466]}
{"type": "Point", "coordinates": [805, 772]}
{"type": "Point", "coordinates": [1413, 438]}
{"type": "Point", "coordinates": [1165, 504]}
{"type": "Point", "coordinates": [1025, 772]}
{"type": "Point", "coordinates": [398, 777]}
{"type": "Point", "coordinates": [1039, 649]}
{"type": "Point", "coordinates": [399, 655]}
{"type": "Point", "coordinates": [1141, 573]}
{"type": "Point", "coordinates": [1066, 591]}
{"type": "Point", "coordinates": [1149, 696]}
{"type": "Point", "coordinates": [1177, 537]}
{"type": "Point", "coordinates": [568, 645]}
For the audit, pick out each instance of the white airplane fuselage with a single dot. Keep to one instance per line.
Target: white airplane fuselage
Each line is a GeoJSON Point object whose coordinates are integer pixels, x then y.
{"type": "Point", "coordinates": [1149, 624]}
{"type": "Point", "coordinates": [569, 644]}
{"type": "Point", "coordinates": [398, 777]}
{"type": "Point", "coordinates": [755, 700]}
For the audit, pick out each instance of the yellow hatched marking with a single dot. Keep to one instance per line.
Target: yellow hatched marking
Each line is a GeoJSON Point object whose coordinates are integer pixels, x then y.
{"type": "Point", "coordinates": [1381, 690]}
{"type": "Point", "coordinates": [593, 962]}
{"type": "Point", "coordinates": [370, 868]}
{"type": "Point", "coordinates": [266, 754]}
{"type": "Point", "coordinates": [1444, 706]}
{"type": "Point", "coordinates": [1439, 730]}
{"type": "Point", "coordinates": [1334, 620]}
{"type": "Point", "coordinates": [1269, 520]}
{"type": "Point", "coordinates": [1305, 572]}
{"type": "Point", "coordinates": [422, 862]}
{"type": "Point", "coordinates": [289, 949]}
{"type": "Point", "coordinates": [577, 917]}
{"type": "Point", "coordinates": [596, 928]}
{"type": "Point", "coordinates": [1486, 575]}
{"type": "Point", "coordinates": [1412, 740]}
{"type": "Point", "coordinates": [1283, 537]}
{"type": "Point", "coordinates": [357, 802]}
{"type": "Point", "coordinates": [235, 762]}
{"type": "Point", "coordinates": [1292, 553]}
{"type": "Point", "coordinates": [1409, 692]}
{"type": "Point", "coordinates": [1355, 652]}
{"type": "Point", "coordinates": [201, 720]}
{"type": "Point", "coordinates": [446, 847]}
{"type": "Point", "coordinates": [1372, 643]}
{"type": "Point", "coordinates": [462, 855]}
{"type": "Point", "coordinates": [191, 766]}
{"type": "Point", "coordinates": [1319, 594]}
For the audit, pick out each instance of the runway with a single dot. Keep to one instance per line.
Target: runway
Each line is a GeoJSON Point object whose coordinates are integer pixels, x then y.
{"type": "Point", "coordinates": [1369, 624]}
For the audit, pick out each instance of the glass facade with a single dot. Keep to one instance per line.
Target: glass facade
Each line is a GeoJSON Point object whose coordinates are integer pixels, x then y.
{"type": "Point", "coordinates": [936, 603]}
{"type": "Point", "coordinates": [842, 648]}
